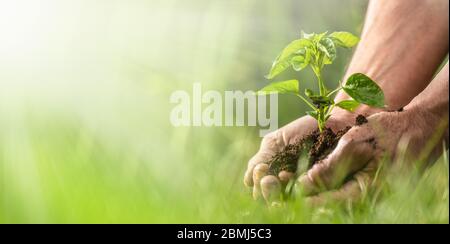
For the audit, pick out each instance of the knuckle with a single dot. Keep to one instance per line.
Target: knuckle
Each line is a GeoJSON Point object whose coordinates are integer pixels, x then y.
{"type": "Point", "coordinates": [270, 182]}
{"type": "Point", "coordinates": [261, 167]}
{"type": "Point", "coordinates": [258, 158]}
{"type": "Point", "coordinates": [272, 140]}
{"type": "Point", "coordinates": [260, 171]}
{"type": "Point", "coordinates": [351, 134]}
{"type": "Point", "coordinates": [269, 138]}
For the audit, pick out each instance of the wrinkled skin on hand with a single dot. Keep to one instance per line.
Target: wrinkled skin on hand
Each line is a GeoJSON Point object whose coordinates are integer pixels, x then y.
{"type": "Point", "coordinates": [268, 186]}
{"type": "Point", "coordinates": [351, 167]}
{"type": "Point", "coordinates": [361, 150]}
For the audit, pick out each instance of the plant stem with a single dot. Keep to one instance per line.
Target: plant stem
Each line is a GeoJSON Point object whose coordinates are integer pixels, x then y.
{"type": "Point", "coordinates": [329, 110]}
{"type": "Point", "coordinates": [306, 101]}
{"type": "Point", "coordinates": [322, 85]}
{"type": "Point", "coordinates": [322, 89]}
{"type": "Point", "coordinates": [320, 123]}
{"type": "Point", "coordinates": [334, 91]}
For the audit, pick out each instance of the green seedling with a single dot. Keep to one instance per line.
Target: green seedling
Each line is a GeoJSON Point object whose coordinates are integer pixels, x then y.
{"type": "Point", "coordinates": [316, 51]}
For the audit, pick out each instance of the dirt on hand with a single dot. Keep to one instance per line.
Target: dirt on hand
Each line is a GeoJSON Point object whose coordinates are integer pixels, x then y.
{"type": "Point", "coordinates": [316, 146]}
{"type": "Point", "coordinates": [360, 120]}
{"type": "Point", "coordinates": [287, 158]}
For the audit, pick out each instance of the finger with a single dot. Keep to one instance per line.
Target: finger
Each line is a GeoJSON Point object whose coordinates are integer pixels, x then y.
{"type": "Point", "coordinates": [285, 177]}
{"type": "Point", "coordinates": [276, 141]}
{"type": "Point", "coordinates": [270, 144]}
{"type": "Point", "coordinates": [258, 173]}
{"type": "Point", "coordinates": [271, 188]}
{"type": "Point", "coordinates": [259, 158]}
{"type": "Point", "coordinates": [353, 191]}
{"type": "Point", "coordinates": [349, 156]}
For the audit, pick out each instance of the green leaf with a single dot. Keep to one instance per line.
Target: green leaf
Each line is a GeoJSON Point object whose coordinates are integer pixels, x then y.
{"type": "Point", "coordinates": [364, 90]}
{"type": "Point", "coordinates": [309, 93]}
{"type": "Point", "coordinates": [318, 100]}
{"type": "Point", "coordinates": [326, 45]}
{"type": "Point", "coordinates": [277, 68]}
{"type": "Point", "coordinates": [318, 37]}
{"type": "Point", "coordinates": [327, 60]}
{"type": "Point", "coordinates": [313, 36]}
{"type": "Point", "coordinates": [294, 47]}
{"type": "Point", "coordinates": [312, 114]}
{"type": "Point", "coordinates": [307, 35]}
{"type": "Point", "coordinates": [349, 105]}
{"type": "Point", "coordinates": [300, 61]}
{"type": "Point", "coordinates": [282, 62]}
{"type": "Point", "coordinates": [344, 39]}
{"type": "Point", "coordinates": [282, 87]}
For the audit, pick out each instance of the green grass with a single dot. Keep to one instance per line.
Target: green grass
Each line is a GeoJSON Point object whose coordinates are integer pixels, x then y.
{"type": "Point", "coordinates": [84, 115]}
{"type": "Point", "coordinates": [63, 174]}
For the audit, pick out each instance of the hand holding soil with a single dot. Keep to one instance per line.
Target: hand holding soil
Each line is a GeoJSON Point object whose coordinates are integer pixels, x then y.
{"type": "Point", "coordinates": [344, 162]}
{"type": "Point", "coordinates": [350, 168]}
{"type": "Point", "coordinates": [274, 145]}
{"type": "Point", "coordinates": [417, 130]}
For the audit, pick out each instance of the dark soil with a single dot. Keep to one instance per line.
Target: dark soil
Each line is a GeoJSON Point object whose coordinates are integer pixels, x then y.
{"type": "Point", "coordinates": [287, 159]}
{"type": "Point", "coordinates": [316, 146]}
{"type": "Point", "coordinates": [360, 120]}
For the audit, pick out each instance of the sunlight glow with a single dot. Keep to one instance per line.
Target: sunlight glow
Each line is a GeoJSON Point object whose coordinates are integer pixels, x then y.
{"type": "Point", "coordinates": [23, 26]}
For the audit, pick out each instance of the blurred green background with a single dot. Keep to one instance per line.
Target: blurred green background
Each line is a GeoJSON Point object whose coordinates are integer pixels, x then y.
{"type": "Point", "coordinates": [84, 112]}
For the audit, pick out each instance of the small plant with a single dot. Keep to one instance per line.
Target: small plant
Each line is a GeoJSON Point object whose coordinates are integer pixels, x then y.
{"type": "Point", "coordinates": [316, 51]}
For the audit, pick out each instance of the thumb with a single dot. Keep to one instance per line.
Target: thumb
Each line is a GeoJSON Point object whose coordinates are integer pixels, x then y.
{"type": "Point", "coordinates": [353, 190]}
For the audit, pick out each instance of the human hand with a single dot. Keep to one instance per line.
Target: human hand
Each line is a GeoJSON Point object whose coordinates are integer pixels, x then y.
{"type": "Point", "coordinates": [360, 151]}
{"type": "Point", "coordinates": [270, 186]}
{"type": "Point", "coordinates": [419, 129]}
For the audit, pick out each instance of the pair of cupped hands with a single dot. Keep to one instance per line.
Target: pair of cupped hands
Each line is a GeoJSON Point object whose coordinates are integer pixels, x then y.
{"type": "Point", "coordinates": [350, 168]}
